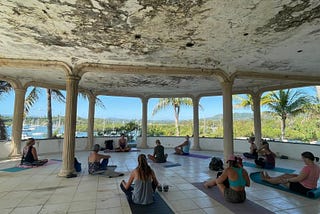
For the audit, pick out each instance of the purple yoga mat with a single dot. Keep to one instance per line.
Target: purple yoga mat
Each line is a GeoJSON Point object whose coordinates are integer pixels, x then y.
{"type": "Point", "coordinates": [246, 207]}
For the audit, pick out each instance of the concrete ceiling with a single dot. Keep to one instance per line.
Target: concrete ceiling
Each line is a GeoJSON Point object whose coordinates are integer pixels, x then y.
{"type": "Point", "coordinates": [161, 47]}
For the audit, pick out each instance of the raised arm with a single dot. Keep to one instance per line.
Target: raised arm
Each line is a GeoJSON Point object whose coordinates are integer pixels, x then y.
{"type": "Point", "coordinates": [183, 144]}
{"type": "Point", "coordinates": [100, 156]}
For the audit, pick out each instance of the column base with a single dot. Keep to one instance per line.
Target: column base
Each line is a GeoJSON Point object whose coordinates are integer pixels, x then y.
{"type": "Point", "coordinates": [67, 173]}
{"type": "Point", "coordinates": [144, 147]}
{"type": "Point", "coordinates": [197, 148]}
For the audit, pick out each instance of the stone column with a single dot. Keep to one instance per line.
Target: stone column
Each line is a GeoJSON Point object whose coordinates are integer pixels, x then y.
{"type": "Point", "coordinates": [144, 144]}
{"type": "Point", "coordinates": [227, 119]}
{"type": "Point", "coordinates": [92, 103]}
{"type": "Point", "coordinates": [17, 123]}
{"type": "Point", "coordinates": [256, 97]}
{"type": "Point", "coordinates": [70, 126]}
{"type": "Point", "coordinates": [196, 145]}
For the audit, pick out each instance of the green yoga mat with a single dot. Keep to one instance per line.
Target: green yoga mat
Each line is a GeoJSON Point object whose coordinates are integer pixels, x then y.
{"type": "Point", "coordinates": [255, 176]}
{"type": "Point", "coordinates": [277, 169]}
{"type": "Point", "coordinates": [158, 207]}
{"type": "Point", "coordinates": [239, 208]}
{"type": "Point", "coordinates": [14, 169]}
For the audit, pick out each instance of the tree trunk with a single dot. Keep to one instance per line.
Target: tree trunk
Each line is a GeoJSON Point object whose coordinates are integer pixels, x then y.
{"type": "Point", "coordinates": [49, 114]}
{"type": "Point", "coordinates": [3, 130]}
{"type": "Point", "coordinates": [318, 91]}
{"type": "Point", "coordinates": [176, 115]}
{"type": "Point", "coordinates": [283, 128]}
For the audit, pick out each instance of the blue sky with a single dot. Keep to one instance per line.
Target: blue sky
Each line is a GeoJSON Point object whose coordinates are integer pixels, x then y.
{"type": "Point", "coordinates": [125, 107]}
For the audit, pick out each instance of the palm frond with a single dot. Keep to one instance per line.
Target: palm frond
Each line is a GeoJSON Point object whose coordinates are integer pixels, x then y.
{"type": "Point", "coordinates": [31, 99]}
{"type": "Point", "coordinates": [58, 95]}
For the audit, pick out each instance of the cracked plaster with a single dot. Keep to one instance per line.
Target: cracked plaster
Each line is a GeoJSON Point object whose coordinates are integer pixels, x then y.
{"type": "Point", "coordinates": [227, 35]}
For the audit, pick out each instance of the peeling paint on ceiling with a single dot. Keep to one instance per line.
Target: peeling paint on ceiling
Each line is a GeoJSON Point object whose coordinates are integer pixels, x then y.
{"type": "Point", "coordinates": [266, 37]}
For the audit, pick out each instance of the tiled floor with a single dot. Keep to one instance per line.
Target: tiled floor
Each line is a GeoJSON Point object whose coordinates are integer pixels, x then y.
{"type": "Point", "coordinates": [40, 190]}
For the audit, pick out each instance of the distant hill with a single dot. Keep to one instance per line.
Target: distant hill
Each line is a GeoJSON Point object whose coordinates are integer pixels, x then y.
{"type": "Point", "coordinates": [236, 116]}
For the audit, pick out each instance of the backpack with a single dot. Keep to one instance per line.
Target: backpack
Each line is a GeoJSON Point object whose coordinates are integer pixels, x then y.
{"type": "Point", "coordinates": [216, 164]}
{"type": "Point", "coordinates": [109, 144]}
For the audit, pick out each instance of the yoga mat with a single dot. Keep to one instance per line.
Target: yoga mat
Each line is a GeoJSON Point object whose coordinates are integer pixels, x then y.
{"type": "Point", "coordinates": [112, 174]}
{"type": "Point", "coordinates": [109, 172]}
{"type": "Point", "coordinates": [50, 162]}
{"type": "Point", "coordinates": [167, 164]}
{"type": "Point", "coordinates": [158, 207]}
{"type": "Point", "coordinates": [195, 156]}
{"type": "Point", "coordinates": [131, 150]}
{"type": "Point", "coordinates": [246, 207]}
{"type": "Point", "coordinates": [277, 169]}
{"type": "Point", "coordinates": [14, 169]}
{"type": "Point", "coordinates": [255, 176]}
{"type": "Point", "coordinates": [56, 160]}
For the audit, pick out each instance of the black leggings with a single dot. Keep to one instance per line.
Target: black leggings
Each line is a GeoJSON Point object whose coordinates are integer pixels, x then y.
{"type": "Point", "coordinates": [298, 187]}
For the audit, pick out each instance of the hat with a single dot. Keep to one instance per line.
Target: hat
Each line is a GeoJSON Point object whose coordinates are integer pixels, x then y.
{"type": "Point", "coordinates": [231, 158]}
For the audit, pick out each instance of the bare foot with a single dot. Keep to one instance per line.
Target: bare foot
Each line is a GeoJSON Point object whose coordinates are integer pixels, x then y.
{"type": "Point", "coordinates": [262, 176]}
{"type": "Point", "coordinates": [266, 175]}
{"type": "Point", "coordinates": [206, 185]}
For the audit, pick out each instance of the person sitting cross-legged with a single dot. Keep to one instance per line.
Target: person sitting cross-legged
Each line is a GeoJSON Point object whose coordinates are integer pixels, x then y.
{"type": "Point", "coordinates": [97, 163]}
{"type": "Point", "coordinates": [269, 162]}
{"type": "Point", "coordinates": [253, 154]}
{"type": "Point", "coordinates": [145, 183]}
{"type": "Point", "coordinates": [158, 153]}
{"type": "Point", "coordinates": [232, 181]}
{"type": "Point", "coordinates": [30, 156]}
{"type": "Point", "coordinates": [183, 149]}
{"type": "Point", "coordinates": [123, 145]}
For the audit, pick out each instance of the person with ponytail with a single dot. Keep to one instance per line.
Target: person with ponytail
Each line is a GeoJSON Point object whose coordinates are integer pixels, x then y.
{"type": "Point", "coordinates": [145, 183]}
{"type": "Point", "coordinates": [300, 183]}
{"type": "Point", "coordinates": [232, 181]}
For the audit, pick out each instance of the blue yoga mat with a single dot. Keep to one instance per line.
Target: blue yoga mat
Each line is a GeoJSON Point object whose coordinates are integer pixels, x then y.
{"type": "Point", "coordinates": [158, 207]}
{"type": "Point", "coordinates": [255, 176]}
{"type": "Point", "coordinates": [14, 169]}
{"type": "Point", "coordinates": [196, 156]}
{"type": "Point", "coordinates": [169, 164]}
{"type": "Point", "coordinates": [277, 169]}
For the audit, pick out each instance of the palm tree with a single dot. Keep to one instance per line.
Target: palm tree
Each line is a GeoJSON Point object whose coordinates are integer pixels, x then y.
{"type": "Point", "coordinates": [5, 87]}
{"type": "Point", "coordinates": [318, 91]}
{"type": "Point", "coordinates": [33, 97]}
{"type": "Point", "coordinates": [57, 95]}
{"type": "Point", "coordinates": [287, 102]}
{"type": "Point", "coordinates": [176, 103]}
{"type": "Point", "coordinates": [247, 101]}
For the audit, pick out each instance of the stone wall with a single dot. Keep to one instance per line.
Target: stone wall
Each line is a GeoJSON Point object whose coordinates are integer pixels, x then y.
{"type": "Point", "coordinates": [292, 150]}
